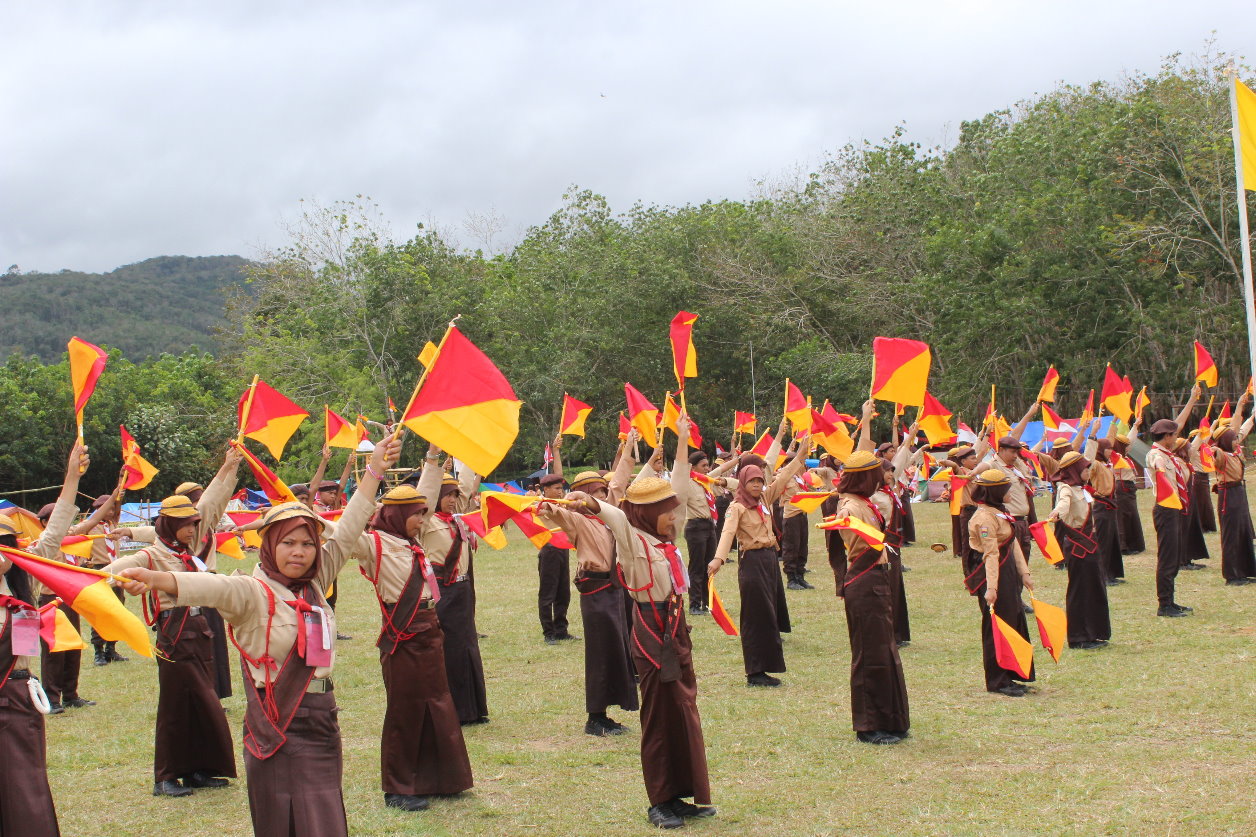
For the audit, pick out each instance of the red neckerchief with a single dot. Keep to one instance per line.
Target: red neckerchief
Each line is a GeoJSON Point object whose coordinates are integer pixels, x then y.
{"type": "Point", "coordinates": [189, 563]}
{"type": "Point", "coordinates": [680, 578]}
{"type": "Point", "coordinates": [302, 607]}
{"type": "Point", "coordinates": [894, 498]}
{"type": "Point", "coordinates": [11, 603]}
{"type": "Point", "coordinates": [710, 498]}
{"type": "Point", "coordinates": [876, 510]}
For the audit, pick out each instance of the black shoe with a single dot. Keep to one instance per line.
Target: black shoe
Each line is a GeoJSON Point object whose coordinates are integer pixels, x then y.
{"type": "Point", "coordinates": [483, 719]}
{"type": "Point", "coordinates": [112, 653]}
{"type": "Point", "coordinates": [343, 637]}
{"type": "Point", "coordinates": [695, 610]}
{"type": "Point", "coordinates": [102, 657]}
{"type": "Point", "coordinates": [806, 585]}
{"type": "Point", "coordinates": [78, 703]}
{"type": "Point", "coordinates": [1191, 565]}
{"type": "Point", "coordinates": [55, 708]}
{"type": "Point", "coordinates": [1014, 690]}
{"type": "Point", "coordinates": [551, 640]}
{"type": "Point", "coordinates": [170, 788]}
{"type": "Point", "coordinates": [903, 643]}
{"type": "Point", "coordinates": [796, 584]}
{"type": "Point", "coordinates": [1026, 608]}
{"type": "Point", "coordinates": [1183, 608]}
{"type": "Point", "coordinates": [1238, 582]}
{"type": "Point", "coordinates": [662, 816]}
{"type": "Point", "coordinates": [906, 568]}
{"type": "Point", "coordinates": [688, 810]}
{"type": "Point", "coordinates": [565, 636]}
{"type": "Point", "coordinates": [762, 679]}
{"type": "Point", "coordinates": [406, 802]}
{"type": "Point", "coordinates": [877, 737]}
{"type": "Point", "coordinates": [200, 779]}
{"type": "Point", "coordinates": [1170, 611]}
{"type": "Point", "coordinates": [603, 727]}
{"type": "Point", "coordinates": [1087, 645]}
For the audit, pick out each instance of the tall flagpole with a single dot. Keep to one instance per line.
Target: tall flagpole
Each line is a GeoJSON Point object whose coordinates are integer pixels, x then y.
{"type": "Point", "coordinates": [1244, 232]}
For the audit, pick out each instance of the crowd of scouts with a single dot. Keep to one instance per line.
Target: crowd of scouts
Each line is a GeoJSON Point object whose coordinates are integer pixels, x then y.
{"type": "Point", "coordinates": [626, 527]}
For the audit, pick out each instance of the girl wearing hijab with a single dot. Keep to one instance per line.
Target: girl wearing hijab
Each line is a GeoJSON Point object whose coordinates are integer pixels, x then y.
{"type": "Point", "coordinates": [763, 613]}
{"type": "Point", "coordinates": [26, 805]}
{"type": "Point", "coordinates": [1129, 523]}
{"type": "Point", "coordinates": [193, 742]}
{"type": "Point", "coordinates": [1194, 547]}
{"type": "Point", "coordinates": [1238, 560]}
{"type": "Point", "coordinates": [878, 691]}
{"type": "Point", "coordinates": [421, 748]}
{"type": "Point", "coordinates": [450, 547]}
{"type": "Point", "coordinates": [992, 578]}
{"type": "Point", "coordinates": [673, 753]}
{"type": "Point", "coordinates": [1086, 601]}
{"type": "Point", "coordinates": [1103, 487]}
{"type": "Point", "coordinates": [284, 630]}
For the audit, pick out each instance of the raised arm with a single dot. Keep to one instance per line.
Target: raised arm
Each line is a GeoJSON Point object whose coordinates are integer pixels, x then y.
{"type": "Point", "coordinates": [93, 520]}
{"type": "Point", "coordinates": [213, 502]}
{"type": "Point", "coordinates": [349, 528]}
{"type": "Point", "coordinates": [777, 487]}
{"type": "Point", "coordinates": [1189, 408]}
{"type": "Point", "coordinates": [1019, 429]}
{"type": "Point", "coordinates": [48, 545]}
{"type": "Point", "coordinates": [865, 428]}
{"type": "Point", "coordinates": [622, 473]}
{"type": "Point", "coordinates": [558, 454]}
{"type": "Point", "coordinates": [317, 479]}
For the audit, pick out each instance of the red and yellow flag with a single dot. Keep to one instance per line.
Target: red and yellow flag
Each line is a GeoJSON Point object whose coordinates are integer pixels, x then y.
{"type": "Point", "coordinates": [274, 488]}
{"type": "Point", "coordinates": [1088, 414]}
{"type": "Point", "coordinates": [1226, 412]}
{"type": "Point", "coordinates": [268, 416]}
{"type": "Point", "coordinates": [252, 539]}
{"type": "Point", "coordinates": [1141, 402]}
{"type": "Point", "coordinates": [1205, 369]}
{"type": "Point", "coordinates": [900, 370]}
{"type": "Point", "coordinates": [684, 356]}
{"type": "Point", "coordinates": [868, 533]}
{"type": "Point", "coordinates": [80, 546]}
{"type": "Point", "coordinates": [571, 423]}
{"type": "Point", "coordinates": [496, 507]}
{"type": "Point", "coordinates": [1166, 492]}
{"type": "Point", "coordinates": [1115, 397]}
{"type": "Point", "coordinates": [465, 405]}
{"type": "Point", "coordinates": [1047, 391]}
{"type": "Point", "coordinates": [624, 426]}
{"type": "Point", "coordinates": [809, 501]}
{"type": "Point", "coordinates": [718, 613]}
{"type": "Point", "coordinates": [1047, 543]}
{"type": "Point", "coordinates": [743, 422]}
{"type": "Point", "coordinates": [338, 433]}
{"type": "Point", "coordinates": [1052, 626]}
{"type": "Point", "coordinates": [935, 420]}
{"type": "Point", "coordinates": [86, 363]}
{"type": "Point", "coordinates": [797, 408]}
{"type": "Point", "coordinates": [139, 471]}
{"type": "Point", "coordinates": [228, 543]}
{"type": "Point", "coordinates": [56, 631]}
{"type": "Point", "coordinates": [958, 483]}
{"type": "Point", "coordinates": [1012, 651]}
{"type": "Point", "coordinates": [671, 421]}
{"type": "Point", "coordinates": [1207, 461]}
{"type": "Point", "coordinates": [1050, 418]}
{"type": "Point", "coordinates": [642, 415]}
{"type": "Point", "coordinates": [763, 444]}
{"type": "Point", "coordinates": [89, 594]}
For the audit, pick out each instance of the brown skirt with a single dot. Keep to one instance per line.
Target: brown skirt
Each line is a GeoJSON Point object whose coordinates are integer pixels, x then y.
{"type": "Point", "coordinates": [298, 789]}
{"type": "Point", "coordinates": [1201, 502]}
{"type": "Point", "coordinates": [608, 670]}
{"type": "Point", "coordinates": [1194, 547]}
{"type": "Point", "coordinates": [192, 732]}
{"type": "Point", "coordinates": [421, 746]}
{"type": "Point", "coordinates": [1238, 560]}
{"type": "Point", "coordinates": [762, 595]}
{"type": "Point", "coordinates": [1086, 599]}
{"type": "Point", "coordinates": [673, 753]}
{"type": "Point", "coordinates": [463, 666]}
{"type": "Point", "coordinates": [222, 657]}
{"type": "Point", "coordinates": [835, 545]}
{"type": "Point", "coordinates": [25, 799]}
{"type": "Point", "coordinates": [1107, 538]}
{"type": "Point", "coordinates": [1129, 523]}
{"type": "Point", "coordinates": [898, 594]}
{"type": "Point", "coordinates": [878, 691]}
{"type": "Point", "coordinates": [909, 517]}
{"type": "Point", "coordinates": [1009, 608]}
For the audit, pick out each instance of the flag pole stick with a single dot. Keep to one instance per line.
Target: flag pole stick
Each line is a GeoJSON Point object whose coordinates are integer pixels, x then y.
{"type": "Point", "coordinates": [1244, 233]}
{"type": "Point", "coordinates": [401, 427]}
{"type": "Point", "coordinates": [248, 408]}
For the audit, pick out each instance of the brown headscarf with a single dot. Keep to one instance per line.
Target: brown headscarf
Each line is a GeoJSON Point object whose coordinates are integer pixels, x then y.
{"type": "Point", "coordinates": [275, 533]}
{"type": "Point", "coordinates": [646, 517]}
{"type": "Point", "coordinates": [1072, 475]}
{"type": "Point", "coordinates": [1102, 449]}
{"type": "Point", "coordinates": [863, 483]}
{"type": "Point", "coordinates": [991, 495]}
{"type": "Point", "coordinates": [744, 476]}
{"type": "Point", "coordinates": [391, 518]}
{"type": "Point", "coordinates": [1226, 439]}
{"type": "Point", "coordinates": [167, 526]}
{"type": "Point", "coordinates": [748, 459]}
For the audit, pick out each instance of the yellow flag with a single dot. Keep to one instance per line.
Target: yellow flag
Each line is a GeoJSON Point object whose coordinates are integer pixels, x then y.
{"type": "Point", "coordinates": [1245, 103]}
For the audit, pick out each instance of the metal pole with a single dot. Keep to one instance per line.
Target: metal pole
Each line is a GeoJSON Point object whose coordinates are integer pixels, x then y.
{"type": "Point", "coordinates": [1244, 233]}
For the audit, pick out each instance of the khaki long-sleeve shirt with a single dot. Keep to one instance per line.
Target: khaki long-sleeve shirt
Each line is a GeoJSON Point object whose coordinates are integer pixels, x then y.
{"type": "Point", "coordinates": [1072, 505]}
{"type": "Point", "coordinates": [988, 531]}
{"type": "Point", "coordinates": [1018, 497]}
{"type": "Point", "coordinates": [853, 505]}
{"type": "Point", "coordinates": [753, 527]}
{"type": "Point", "coordinates": [598, 538]}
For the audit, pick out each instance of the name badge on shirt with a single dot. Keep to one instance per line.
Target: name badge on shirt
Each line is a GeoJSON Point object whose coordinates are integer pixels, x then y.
{"type": "Point", "coordinates": [200, 565]}
{"type": "Point", "coordinates": [317, 638]}
{"type": "Point", "coordinates": [25, 633]}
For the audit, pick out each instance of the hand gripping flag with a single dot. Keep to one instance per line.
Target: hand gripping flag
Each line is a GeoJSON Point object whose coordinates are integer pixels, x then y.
{"type": "Point", "coordinates": [718, 613]}
{"type": "Point", "coordinates": [464, 405]}
{"type": "Point", "coordinates": [56, 630]}
{"type": "Point", "coordinates": [275, 489]}
{"type": "Point", "coordinates": [1166, 492]}
{"type": "Point", "coordinates": [900, 370]}
{"type": "Point", "coordinates": [935, 420]}
{"type": "Point", "coordinates": [624, 426]}
{"type": "Point", "coordinates": [268, 416]}
{"type": "Point", "coordinates": [1012, 651]}
{"type": "Point", "coordinates": [496, 507]}
{"type": "Point", "coordinates": [1047, 543]}
{"type": "Point", "coordinates": [86, 364]}
{"type": "Point", "coordinates": [1052, 626]}
{"type": "Point", "coordinates": [642, 415]}
{"type": "Point", "coordinates": [868, 533]}
{"type": "Point", "coordinates": [338, 433]}
{"type": "Point", "coordinates": [1047, 391]}
{"type": "Point", "coordinates": [139, 471]}
{"type": "Point", "coordinates": [797, 408]}
{"type": "Point", "coordinates": [1205, 369]}
{"type": "Point", "coordinates": [574, 414]}
{"type": "Point", "coordinates": [88, 593]}
{"type": "Point", "coordinates": [684, 357]}
{"type": "Point", "coordinates": [743, 422]}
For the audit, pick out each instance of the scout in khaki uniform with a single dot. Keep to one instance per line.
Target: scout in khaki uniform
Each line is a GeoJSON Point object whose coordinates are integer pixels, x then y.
{"type": "Point", "coordinates": [104, 552]}
{"type": "Point", "coordinates": [995, 580]}
{"type": "Point", "coordinates": [673, 753]}
{"type": "Point", "coordinates": [1170, 523]}
{"type": "Point", "coordinates": [599, 532]}
{"type": "Point", "coordinates": [422, 752]}
{"type": "Point", "coordinates": [285, 632]}
{"type": "Point", "coordinates": [696, 482]}
{"type": "Point", "coordinates": [553, 566]}
{"type": "Point", "coordinates": [1238, 560]}
{"type": "Point", "coordinates": [1086, 600]}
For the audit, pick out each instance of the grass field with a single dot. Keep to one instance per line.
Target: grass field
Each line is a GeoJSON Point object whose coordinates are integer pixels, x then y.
{"type": "Point", "coordinates": [1152, 735]}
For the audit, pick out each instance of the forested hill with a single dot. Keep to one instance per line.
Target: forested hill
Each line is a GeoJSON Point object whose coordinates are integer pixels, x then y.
{"type": "Point", "coordinates": [165, 304]}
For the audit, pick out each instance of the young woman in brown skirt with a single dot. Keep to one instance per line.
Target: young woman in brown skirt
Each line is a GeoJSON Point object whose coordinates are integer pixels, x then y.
{"type": "Point", "coordinates": [878, 690]}
{"type": "Point", "coordinates": [285, 631]}
{"type": "Point", "coordinates": [995, 572]}
{"type": "Point", "coordinates": [1238, 560]}
{"type": "Point", "coordinates": [1086, 600]}
{"type": "Point", "coordinates": [673, 753]}
{"type": "Point", "coordinates": [193, 746]}
{"type": "Point", "coordinates": [422, 752]}
{"type": "Point", "coordinates": [763, 613]}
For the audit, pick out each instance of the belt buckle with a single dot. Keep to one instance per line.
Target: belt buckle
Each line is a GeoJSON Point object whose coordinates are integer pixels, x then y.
{"type": "Point", "coordinates": [194, 611]}
{"type": "Point", "coordinates": [319, 686]}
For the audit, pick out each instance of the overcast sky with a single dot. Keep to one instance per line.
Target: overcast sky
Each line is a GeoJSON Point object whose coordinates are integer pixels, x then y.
{"type": "Point", "coordinates": [135, 129]}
